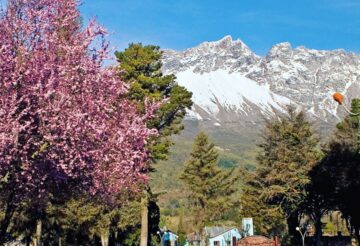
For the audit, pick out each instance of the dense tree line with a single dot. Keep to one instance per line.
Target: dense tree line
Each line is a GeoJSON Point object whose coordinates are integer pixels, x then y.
{"type": "Point", "coordinates": [298, 178]}
{"type": "Point", "coordinates": [288, 152]}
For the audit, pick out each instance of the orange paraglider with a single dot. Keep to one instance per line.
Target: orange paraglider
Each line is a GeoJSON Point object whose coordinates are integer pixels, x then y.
{"type": "Point", "coordinates": [338, 97]}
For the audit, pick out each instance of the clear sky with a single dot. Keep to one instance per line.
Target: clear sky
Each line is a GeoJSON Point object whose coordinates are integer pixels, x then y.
{"type": "Point", "coordinates": [181, 24]}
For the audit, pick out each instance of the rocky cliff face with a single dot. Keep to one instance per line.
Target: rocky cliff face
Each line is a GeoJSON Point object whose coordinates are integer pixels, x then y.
{"type": "Point", "coordinates": [233, 86]}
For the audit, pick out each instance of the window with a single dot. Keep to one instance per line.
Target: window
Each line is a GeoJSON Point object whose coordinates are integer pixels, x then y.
{"type": "Point", "coordinates": [216, 243]}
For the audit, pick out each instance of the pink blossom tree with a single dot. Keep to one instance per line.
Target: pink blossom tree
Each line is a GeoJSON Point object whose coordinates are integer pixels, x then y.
{"type": "Point", "coordinates": [64, 118]}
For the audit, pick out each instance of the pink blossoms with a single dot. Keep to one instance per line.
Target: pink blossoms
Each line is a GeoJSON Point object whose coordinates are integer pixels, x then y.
{"type": "Point", "coordinates": [63, 117]}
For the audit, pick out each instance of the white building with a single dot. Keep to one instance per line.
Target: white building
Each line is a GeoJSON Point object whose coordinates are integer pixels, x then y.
{"type": "Point", "coordinates": [222, 236]}
{"type": "Point", "coordinates": [247, 227]}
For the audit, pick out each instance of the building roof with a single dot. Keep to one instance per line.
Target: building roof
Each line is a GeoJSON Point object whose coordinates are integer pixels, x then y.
{"type": "Point", "coordinates": [256, 240]}
{"type": "Point", "coordinates": [215, 231]}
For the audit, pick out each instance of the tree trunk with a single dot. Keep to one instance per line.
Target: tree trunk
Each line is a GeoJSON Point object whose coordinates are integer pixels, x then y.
{"type": "Point", "coordinates": [292, 223]}
{"type": "Point", "coordinates": [357, 235]}
{"type": "Point", "coordinates": [9, 212]}
{"type": "Point", "coordinates": [4, 226]}
{"type": "Point", "coordinates": [105, 239]}
{"type": "Point", "coordinates": [203, 237]}
{"type": "Point", "coordinates": [38, 233]}
{"type": "Point", "coordinates": [60, 241]}
{"type": "Point", "coordinates": [318, 228]}
{"type": "Point", "coordinates": [144, 221]}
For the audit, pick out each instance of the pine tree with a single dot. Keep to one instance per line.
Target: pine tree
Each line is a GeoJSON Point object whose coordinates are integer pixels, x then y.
{"type": "Point", "coordinates": [268, 219]}
{"type": "Point", "coordinates": [140, 67]}
{"type": "Point", "coordinates": [336, 178]}
{"type": "Point", "coordinates": [211, 188]}
{"type": "Point", "coordinates": [288, 152]}
{"type": "Point", "coordinates": [348, 131]}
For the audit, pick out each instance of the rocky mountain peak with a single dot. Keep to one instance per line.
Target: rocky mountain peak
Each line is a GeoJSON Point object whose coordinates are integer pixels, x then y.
{"type": "Point", "coordinates": [231, 83]}
{"type": "Point", "coordinates": [226, 45]}
{"type": "Point", "coordinates": [210, 56]}
{"type": "Point", "coordinates": [279, 50]}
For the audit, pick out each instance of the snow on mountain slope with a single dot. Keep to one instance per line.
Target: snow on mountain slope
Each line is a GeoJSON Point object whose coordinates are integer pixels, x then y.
{"type": "Point", "coordinates": [231, 83]}
{"type": "Point", "coordinates": [221, 90]}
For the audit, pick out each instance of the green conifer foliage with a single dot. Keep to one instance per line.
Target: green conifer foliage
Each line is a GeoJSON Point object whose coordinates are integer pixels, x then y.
{"type": "Point", "coordinates": [269, 220]}
{"type": "Point", "coordinates": [140, 66]}
{"type": "Point", "coordinates": [211, 188]}
{"type": "Point", "coordinates": [348, 130]}
{"type": "Point", "coordinates": [336, 178]}
{"type": "Point", "coordinates": [288, 152]}
{"type": "Point", "coordinates": [181, 230]}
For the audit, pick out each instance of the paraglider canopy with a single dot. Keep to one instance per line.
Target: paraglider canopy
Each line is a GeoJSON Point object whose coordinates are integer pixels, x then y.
{"type": "Point", "coordinates": [338, 97]}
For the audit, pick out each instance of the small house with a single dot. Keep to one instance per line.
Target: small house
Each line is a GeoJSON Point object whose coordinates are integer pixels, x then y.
{"type": "Point", "coordinates": [222, 236]}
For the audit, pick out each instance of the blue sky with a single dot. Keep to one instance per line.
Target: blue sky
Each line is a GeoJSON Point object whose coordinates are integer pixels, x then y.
{"type": "Point", "coordinates": [180, 24]}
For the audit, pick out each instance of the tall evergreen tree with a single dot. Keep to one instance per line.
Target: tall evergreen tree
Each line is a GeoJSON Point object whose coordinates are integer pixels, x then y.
{"type": "Point", "coordinates": [336, 178]}
{"type": "Point", "coordinates": [140, 66]}
{"type": "Point", "coordinates": [288, 152]}
{"type": "Point", "coordinates": [211, 188]}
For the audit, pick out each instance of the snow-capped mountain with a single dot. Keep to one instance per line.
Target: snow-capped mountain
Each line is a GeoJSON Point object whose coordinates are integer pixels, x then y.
{"type": "Point", "coordinates": [233, 85]}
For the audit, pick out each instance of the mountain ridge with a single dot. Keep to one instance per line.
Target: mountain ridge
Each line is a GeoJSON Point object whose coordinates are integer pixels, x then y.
{"type": "Point", "coordinates": [300, 76]}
